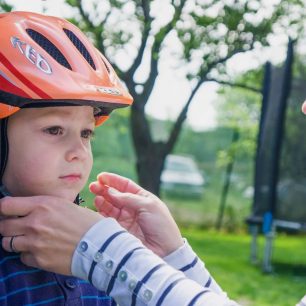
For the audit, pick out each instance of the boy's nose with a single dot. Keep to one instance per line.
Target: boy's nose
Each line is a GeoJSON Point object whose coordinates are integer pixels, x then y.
{"type": "Point", "coordinates": [304, 107]}
{"type": "Point", "coordinates": [77, 151]}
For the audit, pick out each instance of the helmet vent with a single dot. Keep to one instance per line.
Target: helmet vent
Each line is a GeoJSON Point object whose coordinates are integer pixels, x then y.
{"type": "Point", "coordinates": [106, 66]}
{"type": "Point", "coordinates": [49, 47]}
{"type": "Point", "coordinates": [80, 46]}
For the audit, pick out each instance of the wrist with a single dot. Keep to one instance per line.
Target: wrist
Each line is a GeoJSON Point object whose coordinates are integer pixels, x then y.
{"type": "Point", "coordinates": [175, 245]}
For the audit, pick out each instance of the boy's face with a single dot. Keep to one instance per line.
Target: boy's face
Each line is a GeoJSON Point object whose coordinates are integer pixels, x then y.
{"type": "Point", "coordinates": [49, 151]}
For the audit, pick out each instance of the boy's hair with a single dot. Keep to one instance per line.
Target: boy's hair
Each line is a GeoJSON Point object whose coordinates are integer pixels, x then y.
{"type": "Point", "coordinates": [47, 61]}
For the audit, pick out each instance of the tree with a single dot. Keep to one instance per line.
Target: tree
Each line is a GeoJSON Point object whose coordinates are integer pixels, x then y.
{"type": "Point", "coordinates": [4, 7]}
{"type": "Point", "coordinates": [209, 33]}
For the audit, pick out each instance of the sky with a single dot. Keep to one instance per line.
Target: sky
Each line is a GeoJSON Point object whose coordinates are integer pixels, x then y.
{"type": "Point", "coordinates": [172, 89]}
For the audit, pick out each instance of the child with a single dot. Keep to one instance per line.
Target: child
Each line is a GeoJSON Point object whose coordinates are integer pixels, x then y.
{"type": "Point", "coordinates": [55, 87]}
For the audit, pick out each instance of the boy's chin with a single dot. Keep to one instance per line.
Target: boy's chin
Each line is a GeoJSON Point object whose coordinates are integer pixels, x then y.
{"type": "Point", "coordinates": [71, 197]}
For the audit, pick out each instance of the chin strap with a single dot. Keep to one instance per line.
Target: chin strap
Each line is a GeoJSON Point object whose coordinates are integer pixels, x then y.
{"type": "Point", "coordinates": [4, 147]}
{"type": "Point", "coordinates": [78, 200]}
{"type": "Point", "coordinates": [4, 192]}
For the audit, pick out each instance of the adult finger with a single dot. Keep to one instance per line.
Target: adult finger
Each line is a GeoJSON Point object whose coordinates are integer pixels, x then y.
{"type": "Point", "coordinates": [17, 206]}
{"type": "Point", "coordinates": [28, 259]}
{"type": "Point", "coordinates": [97, 188]}
{"type": "Point", "coordinates": [129, 201]}
{"type": "Point", "coordinates": [106, 208]}
{"type": "Point", "coordinates": [15, 244]}
{"type": "Point", "coordinates": [12, 226]}
{"type": "Point", "coordinates": [118, 182]}
{"type": "Point", "coordinates": [304, 108]}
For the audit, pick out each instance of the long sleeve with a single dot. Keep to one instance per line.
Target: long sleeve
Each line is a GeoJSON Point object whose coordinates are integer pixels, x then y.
{"type": "Point", "coordinates": [186, 260]}
{"type": "Point", "coordinates": [302, 302]}
{"type": "Point", "coordinates": [116, 262]}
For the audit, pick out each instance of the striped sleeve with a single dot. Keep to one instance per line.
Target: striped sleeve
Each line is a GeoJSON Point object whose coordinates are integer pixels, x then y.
{"type": "Point", "coordinates": [186, 260]}
{"type": "Point", "coordinates": [116, 262]}
{"type": "Point", "coordinates": [302, 302]}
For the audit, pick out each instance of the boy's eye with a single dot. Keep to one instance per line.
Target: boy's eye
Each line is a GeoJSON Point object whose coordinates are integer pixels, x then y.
{"type": "Point", "coordinates": [87, 134]}
{"type": "Point", "coordinates": [54, 130]}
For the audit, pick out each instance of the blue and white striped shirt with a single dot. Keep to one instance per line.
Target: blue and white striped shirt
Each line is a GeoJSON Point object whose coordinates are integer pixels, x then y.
{"type": "Point", "coordinates": [117, 262]}
{"type": "Point", "coordinates": [25, 286]}
{"type": "Point", "coordinates": [302, 302]}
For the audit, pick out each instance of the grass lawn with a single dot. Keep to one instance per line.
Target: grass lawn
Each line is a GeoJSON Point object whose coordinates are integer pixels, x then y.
{"type": "Point", "coordinates": [227, 258]}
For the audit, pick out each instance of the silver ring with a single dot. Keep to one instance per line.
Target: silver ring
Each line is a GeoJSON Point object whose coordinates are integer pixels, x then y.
{"type": "Point", "coordinates": [12, 247]}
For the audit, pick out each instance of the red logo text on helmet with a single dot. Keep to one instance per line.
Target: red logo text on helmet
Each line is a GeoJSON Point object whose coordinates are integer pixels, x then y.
{"type": "Point", "coordinates": [32, 55]}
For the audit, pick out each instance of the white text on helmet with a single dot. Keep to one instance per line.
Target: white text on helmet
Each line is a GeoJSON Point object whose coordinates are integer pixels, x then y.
{"type": "Point", "coordinates": [31, 54]}
{"type": "Point", "coordinates": [107, 90]}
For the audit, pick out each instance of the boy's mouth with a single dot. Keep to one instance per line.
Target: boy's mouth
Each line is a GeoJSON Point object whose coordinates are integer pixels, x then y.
{"type": "Point", "coordinates": [71, 177]}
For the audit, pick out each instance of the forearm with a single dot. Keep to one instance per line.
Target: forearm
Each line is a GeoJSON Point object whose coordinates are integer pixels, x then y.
{"type": "Point", "coordinates": [116, 262]}
{"type": "Point", "coordinates": [186, 260]}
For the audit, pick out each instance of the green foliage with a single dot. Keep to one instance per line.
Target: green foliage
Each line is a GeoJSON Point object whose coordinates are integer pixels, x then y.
{"type": "Point", "coordinates": [5, 7]}
{"type": "Point", "coordinates": [113, 137]}
{"type": "Point", "coordinates": [210, 33]}
{"type": "Point", "coordinates": [202, 213]}
{"type": "Point", "coordinates": [203, 145]}
{"type": "Point", "coordinates": [73, 3]}
{"type": "Point", "coordinates": [239, 110]}
{"type": "Point", "coordinates": [211, 30]}
{"type": "Point", "coordinates": [217, 30]}
{"type": "Point", "coordinates": [117, 3]}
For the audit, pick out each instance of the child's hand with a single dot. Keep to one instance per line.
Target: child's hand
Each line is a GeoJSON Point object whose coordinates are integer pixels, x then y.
{"type": "Point", "coordinates": [139, 211]}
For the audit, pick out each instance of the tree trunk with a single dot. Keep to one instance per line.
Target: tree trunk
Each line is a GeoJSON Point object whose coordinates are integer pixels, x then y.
{"type": "Point", "coordinates": [150, 155]}
{"type": "Point", "coordinates": [149, 170]}
{"type": "Point", "coordinates": [227, 181]}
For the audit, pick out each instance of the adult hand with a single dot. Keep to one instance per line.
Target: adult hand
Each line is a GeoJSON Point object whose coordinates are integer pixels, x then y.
{"type": "Point", "coordinates": [138, 211]}
{"type": "Point", "coordinates": [46, 231]}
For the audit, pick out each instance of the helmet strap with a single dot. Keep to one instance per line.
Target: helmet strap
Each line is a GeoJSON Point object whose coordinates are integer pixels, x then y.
{"type": "Point", "coordinates": [4, 146]}
{"type": "Point", "coordinates": [4, 192]}
{"type": "Point", "coordinates": [78, 200]}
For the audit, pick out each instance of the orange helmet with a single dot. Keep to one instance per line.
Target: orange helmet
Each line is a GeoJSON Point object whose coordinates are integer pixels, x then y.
{"type": "Point", "coordinates": [47, 61]}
